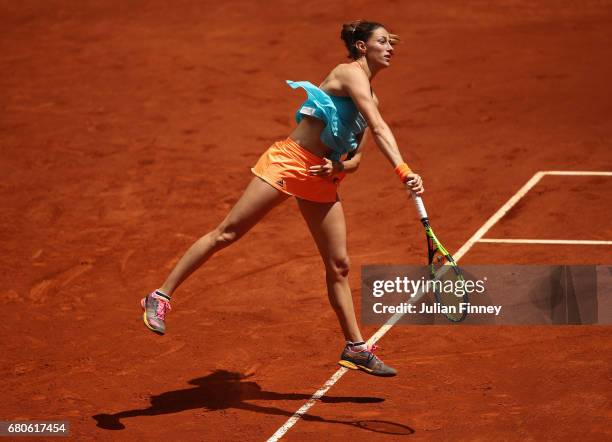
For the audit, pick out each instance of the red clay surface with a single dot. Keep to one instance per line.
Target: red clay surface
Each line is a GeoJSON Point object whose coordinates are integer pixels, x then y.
{"type": "Point", "coordinates": [128, 130]}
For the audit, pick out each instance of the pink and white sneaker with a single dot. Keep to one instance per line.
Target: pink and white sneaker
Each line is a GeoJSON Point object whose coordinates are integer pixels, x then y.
{"type": "Point", "coordinates": [155, 306]}
{"type": "Point", "coordinates": [366, 361]}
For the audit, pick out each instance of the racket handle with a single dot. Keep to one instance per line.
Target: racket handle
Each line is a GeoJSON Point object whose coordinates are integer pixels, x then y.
{"type": "Point", "coordinates": [420, 207]}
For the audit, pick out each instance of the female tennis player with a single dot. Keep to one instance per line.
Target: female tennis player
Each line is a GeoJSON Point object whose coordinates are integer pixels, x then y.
{"type": "Point", "coordinates": [309, 165]}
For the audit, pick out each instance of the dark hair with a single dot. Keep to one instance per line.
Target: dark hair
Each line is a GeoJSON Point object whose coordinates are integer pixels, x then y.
{"type": "Point", "coordinates": [360, 30]}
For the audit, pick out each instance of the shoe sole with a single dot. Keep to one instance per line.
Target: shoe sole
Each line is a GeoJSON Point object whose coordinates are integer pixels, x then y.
{"type": "Point", "coordinates": [144, 318]}
{"type": "Point", "coordinates": [351, 366]}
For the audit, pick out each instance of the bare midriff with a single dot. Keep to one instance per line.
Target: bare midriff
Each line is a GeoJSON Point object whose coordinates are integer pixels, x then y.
{"type": "Point", "coordinates": [308, 135]}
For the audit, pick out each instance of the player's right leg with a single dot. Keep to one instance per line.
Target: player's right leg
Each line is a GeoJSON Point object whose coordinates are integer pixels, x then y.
{"type": "Point", "coordinates": [256, 201]}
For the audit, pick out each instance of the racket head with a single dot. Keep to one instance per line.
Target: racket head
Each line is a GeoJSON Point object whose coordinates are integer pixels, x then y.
{"type": "Point", "coordinates": [446, 280]}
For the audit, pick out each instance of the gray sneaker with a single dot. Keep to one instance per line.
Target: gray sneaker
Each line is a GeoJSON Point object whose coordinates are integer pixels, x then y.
{"type": "Point", "coordinates": [367, 361]}
{"type": "Point", "coordinates": [155, 306]}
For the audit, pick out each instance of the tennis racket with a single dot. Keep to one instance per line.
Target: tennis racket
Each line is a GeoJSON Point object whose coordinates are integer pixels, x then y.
{"type": "Point", "coordinates": [447, 282]}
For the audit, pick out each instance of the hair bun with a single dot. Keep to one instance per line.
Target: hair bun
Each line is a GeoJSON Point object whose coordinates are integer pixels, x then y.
{"type": "Point", "coordinates": [352, 26]}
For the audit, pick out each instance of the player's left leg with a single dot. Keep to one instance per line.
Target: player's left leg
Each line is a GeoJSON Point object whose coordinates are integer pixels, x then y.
{"type": "Point", "coordinates": [328, 228]}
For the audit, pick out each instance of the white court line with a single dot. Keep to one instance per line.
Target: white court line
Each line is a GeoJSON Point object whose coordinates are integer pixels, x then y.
{"type": "Point", "coordinates": [396, 317]}
{"type": "Point", "coordinates": [577, 173]}
{"type": "Point", "coordinates": [304, 408]}
{"type": "Point", "coordinates": [547, 241]}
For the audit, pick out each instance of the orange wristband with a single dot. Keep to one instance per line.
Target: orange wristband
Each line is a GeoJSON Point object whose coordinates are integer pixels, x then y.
{"type": "Point", "coordinates": [402, 171]}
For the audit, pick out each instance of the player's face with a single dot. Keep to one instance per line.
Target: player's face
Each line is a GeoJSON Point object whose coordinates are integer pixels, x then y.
{"type": "Point", "coordinates": [379, 47]}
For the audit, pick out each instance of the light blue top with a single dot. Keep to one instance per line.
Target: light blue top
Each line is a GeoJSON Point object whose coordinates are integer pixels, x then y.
{"type": "Point", "coordinates": [343, 122]}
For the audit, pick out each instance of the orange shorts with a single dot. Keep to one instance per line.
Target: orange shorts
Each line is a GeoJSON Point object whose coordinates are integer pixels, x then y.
{"type": "Point", "coordinates": [285, 166]}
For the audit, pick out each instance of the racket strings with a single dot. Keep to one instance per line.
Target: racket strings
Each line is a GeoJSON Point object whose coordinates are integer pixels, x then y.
{"type": "Point", "coordinates": [446, 279]}
{"type": "Point", "coordinates": [448, 286]}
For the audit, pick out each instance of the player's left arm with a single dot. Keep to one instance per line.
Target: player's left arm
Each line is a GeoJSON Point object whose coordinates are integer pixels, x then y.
{"type": "Point", "coordinates": [351, 163]}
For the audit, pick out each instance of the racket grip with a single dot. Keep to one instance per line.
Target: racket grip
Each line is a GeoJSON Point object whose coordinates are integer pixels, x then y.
{"type": "Point", "coordinates": [420, 207]}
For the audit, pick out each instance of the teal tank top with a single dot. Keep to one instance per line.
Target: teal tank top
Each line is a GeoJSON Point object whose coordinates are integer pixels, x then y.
{"type": "Point", "coordinates": [343, 122]}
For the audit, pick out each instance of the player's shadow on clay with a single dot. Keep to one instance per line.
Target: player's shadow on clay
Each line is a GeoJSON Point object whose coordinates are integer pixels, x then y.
{"type": "Point", "coordinates": [223, 389]}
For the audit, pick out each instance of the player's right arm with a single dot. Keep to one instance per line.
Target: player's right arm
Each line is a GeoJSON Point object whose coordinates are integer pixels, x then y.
{"type": "Point", "coordinates": [356, 84]}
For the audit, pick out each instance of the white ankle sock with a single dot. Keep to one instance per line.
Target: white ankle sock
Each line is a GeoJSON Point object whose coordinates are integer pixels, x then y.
{"type": "Point", "coordinates": [357, 346]}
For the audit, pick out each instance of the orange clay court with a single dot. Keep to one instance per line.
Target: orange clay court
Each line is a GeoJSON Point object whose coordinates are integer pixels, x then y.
{"type": "Point", "coordinates": [128, 130]}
